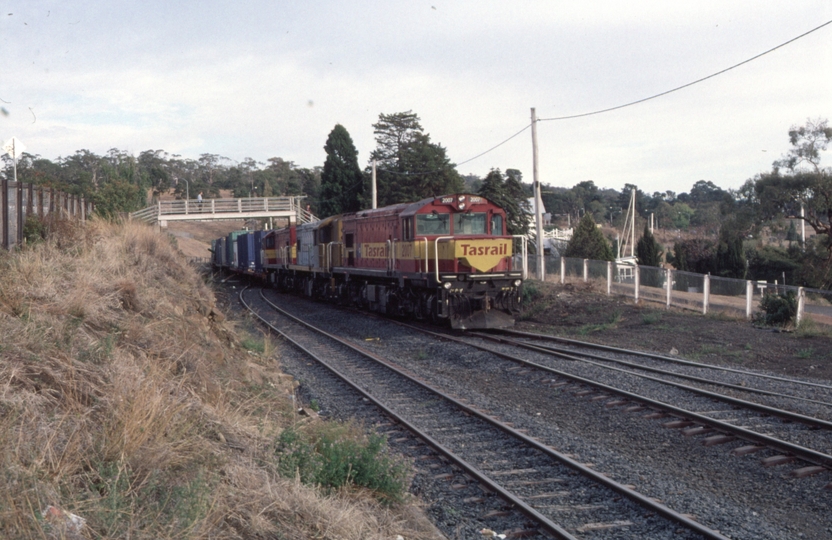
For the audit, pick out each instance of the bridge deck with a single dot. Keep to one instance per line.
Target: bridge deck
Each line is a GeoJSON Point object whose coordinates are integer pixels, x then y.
{"type": "Point", "coordinates": [216, 209]}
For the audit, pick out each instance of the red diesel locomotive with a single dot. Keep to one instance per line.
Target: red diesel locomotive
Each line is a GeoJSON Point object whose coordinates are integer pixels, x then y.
{"type": "Point", "coordinates": [442, 258]}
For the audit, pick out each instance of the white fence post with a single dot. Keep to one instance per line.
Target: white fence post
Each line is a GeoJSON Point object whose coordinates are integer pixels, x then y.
{"type": "Point", "coordinates": [562, 270]}
{"type": "Point", "coordinates": [586, 270]}
{"type": "Point", "coordinates": [801, 303]}
{"type": "Point", "coordinates": [706, 293]}
{"type": "Point", "coordinates": [668, 283]}
{"type": "Point", "coordinates": [609, 278]}
{"type": "Point", "coordinates": [749, 295]}
{"type": "Point", "coordinates": [637, 276]}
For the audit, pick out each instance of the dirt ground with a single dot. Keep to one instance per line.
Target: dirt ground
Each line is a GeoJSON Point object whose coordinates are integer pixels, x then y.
{"type": "Point", "coordinates": [193, 238]}
{"type": "Point", "coordinates": [589, 315]}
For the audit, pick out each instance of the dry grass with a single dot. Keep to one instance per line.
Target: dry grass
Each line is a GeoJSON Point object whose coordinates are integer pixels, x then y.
{"type": "Point", "coordinates": [128, 400]}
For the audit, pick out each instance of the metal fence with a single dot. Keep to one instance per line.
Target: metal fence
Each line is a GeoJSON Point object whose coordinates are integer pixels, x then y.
{"type": "Point", "coordinates": [19, 200]}
{"type": "Point", "coordinates": [687, 290]}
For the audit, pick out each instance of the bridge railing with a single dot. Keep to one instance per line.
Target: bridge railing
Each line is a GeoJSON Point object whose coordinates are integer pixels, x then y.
{"type": "Point", "coordinates": [225, 208]}
{"type": "Point", "coordinates": [239, 206]}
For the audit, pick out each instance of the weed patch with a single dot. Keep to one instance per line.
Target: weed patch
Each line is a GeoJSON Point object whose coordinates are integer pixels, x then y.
{"type": "Point", "coordinates": [613, 321]}
{"type": "Point", "coordinates": [651, 318]}
{"type": "Point", "coordinates": [809, 328]}
{"type": "Point", "coordinates": [334, 457]}
{"type": "Point", "coordinates": [806, 353]}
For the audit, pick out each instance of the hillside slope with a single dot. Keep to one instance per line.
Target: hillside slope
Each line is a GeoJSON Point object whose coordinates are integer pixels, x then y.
{"type": "Point", "coordinates": [131, 408]}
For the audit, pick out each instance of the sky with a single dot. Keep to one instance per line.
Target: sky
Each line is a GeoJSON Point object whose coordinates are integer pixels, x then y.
{"type": "Point", "coordinates": [271, 78]}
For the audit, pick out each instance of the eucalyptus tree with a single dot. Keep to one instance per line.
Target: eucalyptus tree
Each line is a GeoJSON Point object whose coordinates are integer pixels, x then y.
{"type": "Point", "coordinates": [798, 179]}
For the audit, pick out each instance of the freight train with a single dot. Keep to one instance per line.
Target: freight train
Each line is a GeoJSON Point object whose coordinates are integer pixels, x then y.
{"type": "Point", "coordinates": [445, 259]}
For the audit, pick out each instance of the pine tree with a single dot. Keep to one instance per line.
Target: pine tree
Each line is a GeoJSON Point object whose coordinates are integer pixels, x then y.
{"type": "Point", "coordinates": [409, 166]}
{"type": "Point", "coordinates": [648, 250]}
{"type": "Point", "coordinates": [730, 256]}
{"type": "Point", "coordinates": [503, 192]}
{"type": "Point", "coordinates": [588, 242]}
{"type": "Point", "coordinates": [342, 182]}
{"type": "Point", "coordinates": [518, 219]}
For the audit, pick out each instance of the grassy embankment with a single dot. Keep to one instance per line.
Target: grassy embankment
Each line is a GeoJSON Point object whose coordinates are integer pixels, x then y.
{"type": "Point", "coordinates": [128, 400]}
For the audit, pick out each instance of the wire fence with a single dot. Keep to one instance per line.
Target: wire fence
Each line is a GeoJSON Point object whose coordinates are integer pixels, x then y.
{"type": "Point", "coordinates": [19, 200]}
{"type": "Point", "coordinates": [687, 290]}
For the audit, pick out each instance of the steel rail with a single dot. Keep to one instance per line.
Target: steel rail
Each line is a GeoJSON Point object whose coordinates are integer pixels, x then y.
{"type": "Point", "coordinates": [550, 526]}
{"type": "Point", "coordinates": [807, 454]}
{"type": "Point", "coordinates": [633, 495]}
{"type": "Point", "coordinates": [658, 357]}
{"type": "Point", "coordinates": [567, 354]}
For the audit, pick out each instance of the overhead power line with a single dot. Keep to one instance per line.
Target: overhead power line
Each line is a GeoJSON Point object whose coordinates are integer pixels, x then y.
{"type": "Point", "coordinates": [630, 104]}
{"type": "Point", "coordinates": [494, 147]}
{"type": "Point", "coordinates": [697, 81]}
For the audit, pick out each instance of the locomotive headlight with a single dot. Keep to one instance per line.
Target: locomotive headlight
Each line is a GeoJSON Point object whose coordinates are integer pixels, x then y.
{"type": "Point", "coordinates": [517, 282]}
{"type": "Point", "coordinates": [447, 284]}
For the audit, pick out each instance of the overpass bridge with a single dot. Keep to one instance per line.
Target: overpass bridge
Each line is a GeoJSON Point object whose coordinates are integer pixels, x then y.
{"type": "Point", "coordinates": [162, 212]}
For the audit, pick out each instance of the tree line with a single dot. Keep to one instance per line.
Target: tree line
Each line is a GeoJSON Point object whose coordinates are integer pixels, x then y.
{"type": "Point", "coordinates": [731, 229]}
{"type": "Point", "coordinates": [727, 225]}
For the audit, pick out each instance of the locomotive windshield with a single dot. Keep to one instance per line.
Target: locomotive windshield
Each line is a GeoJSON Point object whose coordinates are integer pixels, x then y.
{"type": "Point", "coordinates": [470, 223]}
{"type": "Point", "coordinates": [433, 224]}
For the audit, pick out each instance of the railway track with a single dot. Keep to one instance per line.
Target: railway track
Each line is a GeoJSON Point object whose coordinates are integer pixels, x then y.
{"type": "Point", "coordinates": [767, 412]}
{"type": "Point", "coordinates": [783, 418]}
{"type": "Point", "coordinates": [557, 495]}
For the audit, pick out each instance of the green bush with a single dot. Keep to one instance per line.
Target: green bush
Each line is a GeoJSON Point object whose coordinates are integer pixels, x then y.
{"type": "Point", "coordinates": [333, 457]}
{"type": "Point", "coordinates": [530, 293]}
{"type": "Point", "coordinates": [34, 229]}
{"type": "Point", "coordinates": [779, 309]}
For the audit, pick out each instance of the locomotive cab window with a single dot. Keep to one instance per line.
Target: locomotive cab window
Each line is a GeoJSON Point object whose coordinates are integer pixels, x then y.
{"type": "Point", "coordinates": [470, 223]}
{"type": "Point", "coordinates": [433, 224]}
{"type": "Point", "coordinates": [496, 225]}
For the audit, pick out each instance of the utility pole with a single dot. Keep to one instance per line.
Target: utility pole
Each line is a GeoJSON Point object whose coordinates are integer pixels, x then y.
{"type": "Point", "coordinates": [538, 203]}
{"type": "Point", "coordinates": [802, 226]}
{"type": "Point", "coordinates": [375, 201]}
{"type": "Point", "coordinates": [633, 226]}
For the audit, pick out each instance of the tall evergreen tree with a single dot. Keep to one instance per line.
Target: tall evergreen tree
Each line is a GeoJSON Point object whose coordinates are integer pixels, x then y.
{"type": "Point", "coordinates": [503, 192]}
{"type": "Point", "coordinates": [518, 221]}
{"type": "Point", "coordinates": [409, 166]}
{"type": "Point", "coordinates": [588, 242]}
{"type": "Point", "coordinates": [648, 250]}
{"type": "Point", "coordinates": [730, 256]}
{"type": "Point", "coordinates": [342, 182]}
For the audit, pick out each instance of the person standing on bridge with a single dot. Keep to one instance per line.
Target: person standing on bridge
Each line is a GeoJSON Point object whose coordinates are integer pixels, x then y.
{"type": "Point", "coordinates": [199, 201]}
